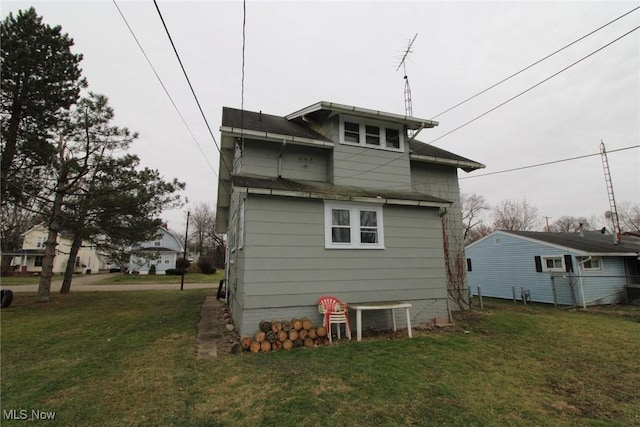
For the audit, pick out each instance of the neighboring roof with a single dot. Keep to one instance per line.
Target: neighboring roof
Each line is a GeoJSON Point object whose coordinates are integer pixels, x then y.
{"type": "Point", "coordinates": [323, 190]}
{"type": "Point", "coordinates": [249, 120]}
{"type": "Point", "coordinates": [588, 242]}
{"type": "Point", "coordinates": [410, 122]}
{"type": "Point", "coordinates": [429, 153]}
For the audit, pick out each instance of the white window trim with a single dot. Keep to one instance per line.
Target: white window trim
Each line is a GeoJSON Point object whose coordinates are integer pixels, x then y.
{"type": "Point", "coordinates": [363, 135]}
{"type": "Point", "coordinates": [241, 226]}
{"type": "Point", "coordinates": [555, 270]}
{"type": "Point", "coordinates": [582, 263]}
{"type": "Point", "coordinates": [354, 209]}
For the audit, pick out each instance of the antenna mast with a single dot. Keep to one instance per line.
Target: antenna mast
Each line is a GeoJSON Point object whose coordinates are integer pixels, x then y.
{"type": "Point", "coordinates": [612, 200]}
{"type": "Point", "coordinates": [408, 108]}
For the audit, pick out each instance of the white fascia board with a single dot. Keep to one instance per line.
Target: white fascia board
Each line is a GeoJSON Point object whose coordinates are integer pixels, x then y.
{"type": "Point", "coordinates": [275, 137]}
{"type": "Point", "coordinates": [362, 199]}
{"type": "Point", "coordinates": [452, 162]}
{"type": "Point", "coordinates": [410, 122]}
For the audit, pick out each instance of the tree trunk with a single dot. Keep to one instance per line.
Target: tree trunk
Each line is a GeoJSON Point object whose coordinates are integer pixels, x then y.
{"type": "Point", "coordinates": [71, 264]}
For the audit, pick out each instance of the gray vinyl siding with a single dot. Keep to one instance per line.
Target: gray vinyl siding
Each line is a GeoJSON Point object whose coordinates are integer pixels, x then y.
{"type": "Point", "coordinates": [298, 162]}
{"type": "Point", "coordinates": [501, 261]}
{"type": "Point", "coordinates": [285, 267]}
{"type": "Point", "coordinates": [442, 181]}
{"type": "Point", "coordinates": [367, 167]}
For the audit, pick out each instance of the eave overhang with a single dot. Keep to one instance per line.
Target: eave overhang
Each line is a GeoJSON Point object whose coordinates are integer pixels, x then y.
{"type": "Point", "coordinates": [413, 123]}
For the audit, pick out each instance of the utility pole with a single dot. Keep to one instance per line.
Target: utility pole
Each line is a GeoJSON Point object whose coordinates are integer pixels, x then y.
{"type": "Point", "coordinates": [547, 218]}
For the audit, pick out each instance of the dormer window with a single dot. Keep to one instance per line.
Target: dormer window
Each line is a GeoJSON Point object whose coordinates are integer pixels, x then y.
{"type": "Point", "coordinates": [373, 134]}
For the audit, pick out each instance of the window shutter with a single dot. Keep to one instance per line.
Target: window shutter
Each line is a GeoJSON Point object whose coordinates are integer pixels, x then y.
{"type": "Point", "coordinates": [567, 263]}
{"type": "Point", "coordinates": [538, 264]}
{"type": "Point", "coordinates": [468, 264]}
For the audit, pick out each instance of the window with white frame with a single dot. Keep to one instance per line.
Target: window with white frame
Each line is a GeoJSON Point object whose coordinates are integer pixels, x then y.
{"type": "Point", "coordinates": [555, 263]}
{"type": "Point", "coordinates": [591, 263]}
{"type": "Point", "coordinates": [353, 226]}
{"type": "Point", "coordinates": [40, 241]}
{"type": "Point", "coordinates": [372, 134]}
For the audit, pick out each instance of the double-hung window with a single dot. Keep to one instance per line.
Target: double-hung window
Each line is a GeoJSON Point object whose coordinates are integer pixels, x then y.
{"type": "Point", "coordinates": [555, 263]}
{"type": "Point", "coordinates": [353, 226]}
{"type": "Point", "coordinates": [591, 263]}
{"type": "Point", "coordinates": [372, 134]}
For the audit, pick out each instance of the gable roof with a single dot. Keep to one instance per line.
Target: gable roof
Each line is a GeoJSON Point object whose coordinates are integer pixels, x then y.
{"type": "Point", "coordinates": [588, 242]}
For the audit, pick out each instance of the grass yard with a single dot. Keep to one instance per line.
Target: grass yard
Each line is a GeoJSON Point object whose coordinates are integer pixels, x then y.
{"type": "Point", "coordinates": [127, 358]}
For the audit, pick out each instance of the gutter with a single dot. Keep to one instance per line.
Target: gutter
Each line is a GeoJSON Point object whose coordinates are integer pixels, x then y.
{"type": "Point", "coordinates": [462, 164]}
{"type": "Point", "coordinates": [328, 196]}
{"type": "Point", "coordinates": [276, 136]}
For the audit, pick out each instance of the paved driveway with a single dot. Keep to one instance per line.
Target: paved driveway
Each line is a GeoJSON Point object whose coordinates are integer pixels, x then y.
{"type": "Point", "coordinates": [85, 283]}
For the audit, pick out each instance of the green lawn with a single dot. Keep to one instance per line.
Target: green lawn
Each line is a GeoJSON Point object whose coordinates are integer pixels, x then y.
{"type": "Point", "coordinates": [127, 358]}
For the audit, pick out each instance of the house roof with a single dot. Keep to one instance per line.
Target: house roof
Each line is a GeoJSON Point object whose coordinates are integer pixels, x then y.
{"type": "Point", "coordinates": [324, 190]}
{"type": "Point", "coordinates": [250, 120]}
{"type": "Point", "coordinates": [429, 153]}
{"type": "Point", "coordinates": [322, 107]}
{"type": "Point", "coordinates": [588, 242]}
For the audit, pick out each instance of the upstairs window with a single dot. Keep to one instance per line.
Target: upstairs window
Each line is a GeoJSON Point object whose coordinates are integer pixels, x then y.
{"type": "Point", "coordinates": [353, 226]}
{"type": "Point", "coordinates": [40, 241]}
{"type": "Point", "coordinates": [373, 134]}
{"type": "Point", "coordinates": [392, 137]}
{"type": "Point", "coordinates": [352, 132]}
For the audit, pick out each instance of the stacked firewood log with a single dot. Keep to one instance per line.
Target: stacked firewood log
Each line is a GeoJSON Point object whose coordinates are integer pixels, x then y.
{"type": "Point", "coordinates": [275, 335]}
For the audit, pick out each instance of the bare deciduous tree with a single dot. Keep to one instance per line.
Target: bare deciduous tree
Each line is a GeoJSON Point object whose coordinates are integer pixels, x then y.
{"type": "Point", "coordinates": [515, 216]}
{"type": "Point", "coordinates": [570, 224]}
{"type": "Point", "coordinates": [629, 217]}
{"type": "Point", "coordinates": [473, 205]}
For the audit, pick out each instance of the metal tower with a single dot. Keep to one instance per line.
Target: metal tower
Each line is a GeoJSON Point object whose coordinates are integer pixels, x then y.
{"type": "Point", "coordinates": [408, 107]}
{"type": "Point", "coordinates": [612, 200]}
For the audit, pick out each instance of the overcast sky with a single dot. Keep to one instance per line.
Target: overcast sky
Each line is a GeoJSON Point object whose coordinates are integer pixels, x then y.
{"type": "Point", "coordinates": [298, 53]}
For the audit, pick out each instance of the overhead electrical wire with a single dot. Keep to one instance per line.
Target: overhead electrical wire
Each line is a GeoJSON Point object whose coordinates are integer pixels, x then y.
{"type": "Point", "coordinates": [193, 92]}
{"type": "Point", "coordinates": [548, 163]}
{"type": "Point", "coordinates": [533, 87]}
{"type": "Point", "coordinates": [165, 89]}
{"type": "Point", "coordinates": [507, 101]}
{"type": "Point", "coordinates": [535, 63]}
{"type": "Point", "coordinates": [244, 39]}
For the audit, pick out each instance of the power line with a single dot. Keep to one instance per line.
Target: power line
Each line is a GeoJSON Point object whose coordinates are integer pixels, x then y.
{"type": "Point", "coordinates": [535, 63]}
{"type": "Point", "coordinates": [184, 71]}
{"type": "Point", "coordinates": [534, 86]}
{"type": "Point", "coordinates": [165, 89]}
{"type": "Point", "coordinates": [548, 163]}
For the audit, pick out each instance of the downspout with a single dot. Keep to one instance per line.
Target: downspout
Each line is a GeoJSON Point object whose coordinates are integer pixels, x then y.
{"type": "Point", "coordinates": [284, 144]}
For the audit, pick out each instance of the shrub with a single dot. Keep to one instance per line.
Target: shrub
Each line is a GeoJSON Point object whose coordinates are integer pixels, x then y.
{"type": "Point", "coordinates": [182, 264]}
{"type": "Point", "coordinates": [206, 265]}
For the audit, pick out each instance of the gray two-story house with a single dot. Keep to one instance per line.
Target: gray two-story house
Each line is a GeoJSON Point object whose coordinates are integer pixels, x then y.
{"type": "Point", "coordinates": [335, 200]}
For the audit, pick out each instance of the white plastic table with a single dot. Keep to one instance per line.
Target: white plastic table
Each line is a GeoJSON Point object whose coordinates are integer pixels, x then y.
{"type": "Point", "coordinates": [386, 305]}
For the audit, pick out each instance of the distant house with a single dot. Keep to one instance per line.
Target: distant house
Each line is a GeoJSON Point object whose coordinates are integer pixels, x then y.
{"type": "Point", "coordinates": [162, 251]}
{"type": "Point", "coordinates": [339, 200]}
{"type": "Point", "coordinates": [29, 259]}
{"type": "Point", "coordinates": [587, 268]}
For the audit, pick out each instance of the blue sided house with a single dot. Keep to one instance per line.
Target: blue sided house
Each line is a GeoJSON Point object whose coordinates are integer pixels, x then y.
{"type": "Point", "coordinates": [576, 269]}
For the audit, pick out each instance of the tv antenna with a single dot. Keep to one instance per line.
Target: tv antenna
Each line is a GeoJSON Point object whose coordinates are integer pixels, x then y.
{"type": "Point", "coordinates": [408, 108]}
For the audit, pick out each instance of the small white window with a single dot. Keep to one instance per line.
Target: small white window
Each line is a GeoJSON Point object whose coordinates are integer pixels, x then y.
{"type": "Point", "coordinates": [40, 241]}
{"type": "Point", "coordinates": [591, 263]}
{"type": "Point", "coordinates": [552, 263]}
{"type": "Point", "coordinates": [353, 226]}
{"type": "Point", "coordinates": [392, 137]}
{"type": "Point", "coordinates": [372, 135]}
